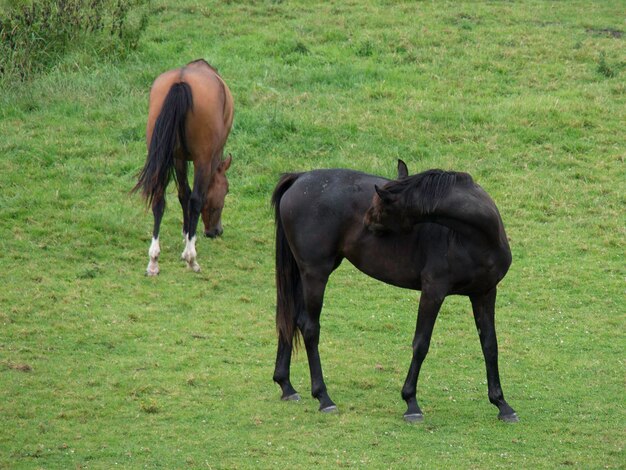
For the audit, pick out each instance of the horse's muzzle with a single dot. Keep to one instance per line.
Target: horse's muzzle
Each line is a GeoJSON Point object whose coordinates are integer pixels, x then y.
{"type": "Point", "coordinates": [213, 233]}
{"type": "Point", "coordinates": [376, 228]}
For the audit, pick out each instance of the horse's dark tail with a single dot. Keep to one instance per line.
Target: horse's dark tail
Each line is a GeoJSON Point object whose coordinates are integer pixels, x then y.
{"type": "Point", "coordinates": [289, 297]}
{"type": "Point", "coordinates": [168, 136]}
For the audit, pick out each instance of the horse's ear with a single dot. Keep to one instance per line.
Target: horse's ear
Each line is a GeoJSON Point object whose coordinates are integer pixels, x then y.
{"type": "Point", "coordinates": [384, 195]}
{"type": "Point", "coordinates": [226, 163]}
{"type": "Point", "coordinates": [403, 171]}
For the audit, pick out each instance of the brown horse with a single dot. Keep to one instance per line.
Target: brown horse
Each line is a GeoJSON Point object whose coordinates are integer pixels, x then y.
{"type": "Point", "coordinates": [189, 119]}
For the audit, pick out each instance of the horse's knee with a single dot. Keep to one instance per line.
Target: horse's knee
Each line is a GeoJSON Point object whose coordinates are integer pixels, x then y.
{"type": "Point", "coordinates": [195, 203]}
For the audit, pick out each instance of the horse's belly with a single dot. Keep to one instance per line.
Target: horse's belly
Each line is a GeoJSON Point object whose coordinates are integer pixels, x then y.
{"type": "Point", "coordinates": [393, 262]}
{"type": "Point", "coordinates": [394, 277]}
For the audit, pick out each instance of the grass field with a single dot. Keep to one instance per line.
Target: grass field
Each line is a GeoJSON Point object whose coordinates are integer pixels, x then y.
{"type": "Point", "coordinates": [101, 366]}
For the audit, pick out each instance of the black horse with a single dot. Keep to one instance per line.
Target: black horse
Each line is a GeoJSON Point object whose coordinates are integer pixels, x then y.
{"type": "Point", "coordinates": [437, 231]}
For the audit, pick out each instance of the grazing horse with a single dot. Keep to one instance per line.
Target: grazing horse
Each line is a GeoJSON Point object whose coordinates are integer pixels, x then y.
{"type": "Point", "coordinates": [189, 119]}
{"type": "Point", "coordinates": [437, 231]}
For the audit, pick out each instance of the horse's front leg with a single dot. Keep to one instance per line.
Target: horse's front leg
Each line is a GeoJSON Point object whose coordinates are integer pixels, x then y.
{"type": "Point", "coordinates": [196, 200]}
{"type": "Point", "coordinates": [313, 287]}
{"type": "Point", "coordinates": [429, 306]}
{"type": "Point", "coordinates": [158, 208]}
{"type": "Point", "coordinates": [484, 315]}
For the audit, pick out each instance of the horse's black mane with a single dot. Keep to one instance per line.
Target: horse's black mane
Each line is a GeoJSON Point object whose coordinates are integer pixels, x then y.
{"type": "Point", "coordinates": [430, 185]}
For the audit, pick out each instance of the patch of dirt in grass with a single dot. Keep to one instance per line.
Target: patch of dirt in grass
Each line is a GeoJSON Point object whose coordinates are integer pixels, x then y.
{"type": "Point", "coordinates": [19, 366]}
{"type": "Point", "coordinates": [615, 33]}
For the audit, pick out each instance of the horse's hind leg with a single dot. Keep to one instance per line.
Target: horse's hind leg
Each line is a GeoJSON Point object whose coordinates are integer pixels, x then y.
{"type": "Point", "coordinates": [484, 316]}
{"type": "Point", "coordinates": [184, 192]}
{"type": "Point", "coordinates": [158, 207]}
{"type": "Point", "coordinates": [281, 371]}
{"type": "Point", "coordinates": [313, 286]}
{"type": "Point", "coordinates": [429, 306]}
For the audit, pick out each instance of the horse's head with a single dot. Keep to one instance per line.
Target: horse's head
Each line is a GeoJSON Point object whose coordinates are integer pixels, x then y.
{"type": "Point", "coordinates": [214, 203]}
{"type": "Point", "coordinates": [387, 213]}
{"type": "Point", "coordinates": [410, 200]}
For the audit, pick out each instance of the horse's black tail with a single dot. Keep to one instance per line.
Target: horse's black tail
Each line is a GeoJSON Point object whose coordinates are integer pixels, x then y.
{"type": "Point", "coordinates": [289, 297]}
{"type": "Point", "coordinates": [167, 136]}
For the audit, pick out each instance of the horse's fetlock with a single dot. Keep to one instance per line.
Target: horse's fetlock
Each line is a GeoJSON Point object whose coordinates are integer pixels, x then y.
{"type": "Point", "coordinates": [318, 391]}
{"type": "Point", "coordinates": [496, 398]}
{"type": "Point", "coordinates": [279, 378]}
{"type": "Point", "coordinates": [408, 393]}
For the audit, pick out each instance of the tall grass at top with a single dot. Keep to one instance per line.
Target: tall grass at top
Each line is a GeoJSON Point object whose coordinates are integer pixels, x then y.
{"type": "Point", "coordinates": [35, 35]}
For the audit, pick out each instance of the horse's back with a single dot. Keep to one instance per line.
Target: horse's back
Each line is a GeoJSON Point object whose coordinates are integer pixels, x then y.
{"type": "Point", "coordinates": [327, 196]}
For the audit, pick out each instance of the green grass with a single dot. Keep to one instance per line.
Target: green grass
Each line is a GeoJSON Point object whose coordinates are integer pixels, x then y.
{"type": "Point", "coordinates": [101, 366]}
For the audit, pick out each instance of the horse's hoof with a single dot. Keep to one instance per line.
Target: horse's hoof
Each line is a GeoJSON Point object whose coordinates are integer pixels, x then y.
{"type": "Point", "coordinates": [330, 409]}
{"type": "Point", "coordinates": [153, 268]}
{"type": "Point", "coordinates": [152, 273]}
{"type": "Point", "coordinates": [195, 267]}
{"type": "Point", "coordinates": [292, 397]}
{"type": "Point", "coordinates": [414, 418]}
{"type": "Point", "coordinates": [510, 418]}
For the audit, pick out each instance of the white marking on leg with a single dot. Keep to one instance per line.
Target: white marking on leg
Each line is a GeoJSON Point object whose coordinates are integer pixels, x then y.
{"type": "Point", "coordinates": [193, 263]}
{"type": "Point", "coordinates": [153, 252]}
{"type": "Point", "coordinates": [183, 255]}
{"type": "Point", "coordinates": [185, 241]}
{"type": "Point", "coordinates": [189, 254]}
